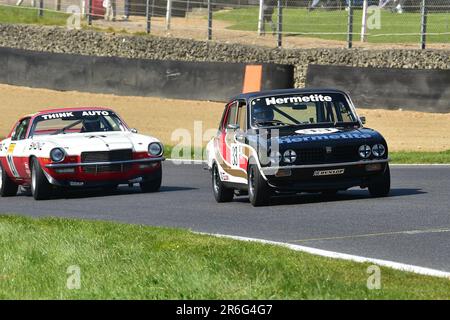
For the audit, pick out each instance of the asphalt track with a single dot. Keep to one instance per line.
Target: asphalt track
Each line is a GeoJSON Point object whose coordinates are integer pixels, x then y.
{"type": "Point", "coordinates": [412, 226]}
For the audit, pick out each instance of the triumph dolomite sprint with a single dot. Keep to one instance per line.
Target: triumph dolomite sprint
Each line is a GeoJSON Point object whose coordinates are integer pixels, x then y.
{"type": "Point", "coordinates": [293, 141]}
{"type": "Point", "coordinates": [80, 147]}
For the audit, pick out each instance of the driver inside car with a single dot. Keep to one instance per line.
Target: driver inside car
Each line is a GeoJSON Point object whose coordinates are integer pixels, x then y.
{"type": "Point", "coordinates": [91, 126]}
{"type": "Point", "coordinates": [263, 114]}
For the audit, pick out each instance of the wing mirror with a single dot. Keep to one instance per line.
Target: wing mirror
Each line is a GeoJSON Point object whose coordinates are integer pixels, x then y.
{"type": "Point", "coordinates": [233, 127]}
{"type": "Point", "coordinates": [133, 130]}
{"type": "Point", "coordinates": [363, 119]}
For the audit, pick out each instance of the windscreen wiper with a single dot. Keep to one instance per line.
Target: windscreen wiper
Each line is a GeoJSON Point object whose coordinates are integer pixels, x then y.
{"type": "Point", "coordinates": [273, 122]}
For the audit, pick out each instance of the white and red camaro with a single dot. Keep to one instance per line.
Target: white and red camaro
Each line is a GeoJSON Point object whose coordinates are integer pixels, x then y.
{"type": "Point", "coordinates": [78, 147]}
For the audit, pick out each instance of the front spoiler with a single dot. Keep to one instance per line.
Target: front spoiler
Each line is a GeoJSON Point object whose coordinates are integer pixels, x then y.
{"type": "Point", "coordinates": [121, 178]}
{"type": "Point", "coordinates": [302, 178]}
{"type": "Point", "coordinates": [90, 164]}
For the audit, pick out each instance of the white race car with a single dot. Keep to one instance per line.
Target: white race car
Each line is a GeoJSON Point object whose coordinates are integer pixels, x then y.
{"type": "Point", "coordinates": [80, 147]}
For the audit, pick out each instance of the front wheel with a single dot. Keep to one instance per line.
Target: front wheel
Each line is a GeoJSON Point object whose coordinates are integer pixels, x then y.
{"type": "Point", "coordinates": [259, 192]}
{"type": "Point", "coordinates": [7, 187]}
{"type": "Point", "coordinates": [381, 185]}
{"type": "Point", "coordinates": [221, 192]}
{"type": "Point", "coordinates": [41, 189]}
{"type": "Point", "coordinates": [152, 183]}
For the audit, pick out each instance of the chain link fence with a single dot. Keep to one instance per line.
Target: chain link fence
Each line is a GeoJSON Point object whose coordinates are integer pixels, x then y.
{"type": "Point", "coordinates": [287, 23]}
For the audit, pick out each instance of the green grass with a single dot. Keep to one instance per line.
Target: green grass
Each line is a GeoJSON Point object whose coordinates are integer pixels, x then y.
{"type": "Point", "coordinates": [119, 261]}
{"type": "Point", "coordinates": [420, 157]}
{"type": "Point", "coordinates": [397, 157]}
{"type": "Point", "coordinates": [13, 15]}
{"type": "Point", "coordinates": [300, 21]}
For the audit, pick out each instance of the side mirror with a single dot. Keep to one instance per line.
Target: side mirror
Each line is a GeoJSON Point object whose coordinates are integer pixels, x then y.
{"type": "Point", "coordinates": [233, 127]}
{"type": "Point", "coordinates": [133, 130]}
{"type": "Point", "coordinates": [363, 120]}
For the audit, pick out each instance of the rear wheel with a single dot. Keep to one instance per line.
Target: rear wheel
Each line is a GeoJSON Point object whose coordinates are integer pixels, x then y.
{"type": "Point", "coordinates": [152, 183]}
{"type": "Point", "coordinates": [7, 187]}
{"type": "Point", "coordinates": [221, 192]}
{"type": "Point", "coordinates": [259, 192]}
{"type": "Point", "coordinates": [41, 189]}
{"type": "Point", "coordinates": [380, 186]}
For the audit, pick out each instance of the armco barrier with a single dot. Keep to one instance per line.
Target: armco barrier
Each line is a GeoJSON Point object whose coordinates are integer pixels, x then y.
{"type": "Point", "coordinates": [410, 89]}
{"type": "Point", "coordinates": [215, 81]}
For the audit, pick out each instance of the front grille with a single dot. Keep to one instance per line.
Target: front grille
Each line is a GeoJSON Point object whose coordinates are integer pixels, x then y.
{"type": "Point", "coordinates": [107, 156]}
{"type": "Point", "coordinates": [320, 155]}
{"type": "Point", "coordinates": [107, 168]}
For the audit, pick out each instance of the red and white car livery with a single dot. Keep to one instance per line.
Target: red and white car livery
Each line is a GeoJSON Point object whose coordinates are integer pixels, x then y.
{"type": "Point", "coordinates": [79, 147]}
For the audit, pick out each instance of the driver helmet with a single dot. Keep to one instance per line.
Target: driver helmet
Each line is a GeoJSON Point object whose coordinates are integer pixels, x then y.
{"type": "Point", "coordinates": [91, 125]}
{"type": "Point", "coordinates": [263, 113]}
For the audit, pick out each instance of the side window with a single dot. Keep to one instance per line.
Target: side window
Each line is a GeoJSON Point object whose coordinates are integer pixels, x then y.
{"type": "Point", "coordinates": [21, 130]}
{"type": "Point", "coordinates": [232, 114]}
{"type": "Point", "coordinates": [242, 116]}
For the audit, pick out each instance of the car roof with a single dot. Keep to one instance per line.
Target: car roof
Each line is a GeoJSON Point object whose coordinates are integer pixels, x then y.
{"type": "Point", "coordinates": [70, 109]}
{"type": "Point", "coordinates": [265, 93]}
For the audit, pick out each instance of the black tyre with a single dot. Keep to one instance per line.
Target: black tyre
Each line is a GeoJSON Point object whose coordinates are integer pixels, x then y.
{"type": "Point", "coordinates": [221, 192]}
{"type": "Point", "coordinates": [329, 192]}
{"type": "Point", "coordinates": [41, 189]}
{"type": "Point", "coordinates": [110, 188]}
{"type": "Point", "coordinates": [153, 182]}
{"type": "Point", "coordinates": [7, 187]}
{"type": "Point", "coordinates": [381, 185]}
{"type": "Point", "coordinates": [259, 192]}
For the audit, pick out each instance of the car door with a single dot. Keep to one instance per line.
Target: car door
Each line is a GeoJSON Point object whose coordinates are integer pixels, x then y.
{"type": "Point", "coordinates": [17, 155]}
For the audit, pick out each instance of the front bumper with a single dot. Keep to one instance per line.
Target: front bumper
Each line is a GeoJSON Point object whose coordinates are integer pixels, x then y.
{"type": "Point", "coordinates": [313, 178]}
{"type": "Point", "coordinates": [126, 171]}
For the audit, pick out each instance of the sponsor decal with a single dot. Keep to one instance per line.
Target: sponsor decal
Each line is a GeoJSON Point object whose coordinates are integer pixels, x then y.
{"type": "Point", "coordinates": [76, 184]}
{"type": "Point", "coordinates": [323, 137]}
{"type": "Point", "coordinates": [10, 160]}
{"type": "Point", "coordinates": [334, 172]}
{"type": "Point", "coordinates": [317, 131]}
{"type": "Point", "coordinates": [63, 115]}
{"type": "Point", "coordinates": [58, 115]}
{"type": "Point", "coordinates": [298, 99]}
{"type": "Point", "coordinates": [95, 113]}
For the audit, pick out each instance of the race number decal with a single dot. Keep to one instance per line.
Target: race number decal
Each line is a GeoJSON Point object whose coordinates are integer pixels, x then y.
{"type": "Point", "coordinates": [10, 160]}
{"type": "Point", "coordinates": [317, 131]}
{"type": "Point", "coordinates": [235, 155]}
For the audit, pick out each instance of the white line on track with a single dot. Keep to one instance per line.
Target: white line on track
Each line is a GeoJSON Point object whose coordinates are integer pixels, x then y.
{"type": "Point", "coordinates": [342, 256]}
{"type": "Point", "coordinates": [332, 254]}
{"type": "Point", "coordinates": [380, 234]}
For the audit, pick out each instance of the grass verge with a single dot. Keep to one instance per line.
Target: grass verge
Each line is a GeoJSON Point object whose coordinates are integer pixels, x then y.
{"type": "Point", "coordinates": [31, 16]}
{"type": "Point", "coordinates": [409, 157]}
{"type": "Point", "coordinates": [300, 21]}
{"type": "Point", "coordinates": [119, 261]}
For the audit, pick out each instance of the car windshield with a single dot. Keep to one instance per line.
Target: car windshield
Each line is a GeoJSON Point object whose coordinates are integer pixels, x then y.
{"type": "Point", "coordinates": [302, 110]}
{"type": "Point", "coordinates": [76, 122]}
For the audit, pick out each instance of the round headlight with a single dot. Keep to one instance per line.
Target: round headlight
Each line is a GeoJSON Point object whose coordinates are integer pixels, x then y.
{"type": "Point", "coordinates": [289, 156]}
{"type": "Point", "coordinates": [365, 151]}
{"type": "Point", "coordinates": [57, 155]}
{"type": "Point", "coordinates": [378, 150]}
{"type": "Point", "coordinates": [155, 149]}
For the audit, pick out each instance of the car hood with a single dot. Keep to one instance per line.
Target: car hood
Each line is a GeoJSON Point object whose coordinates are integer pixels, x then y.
{"type": "Point", "coordinates": [315, 137]}
{"type": "Point", "coordinates": [75, 143]}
